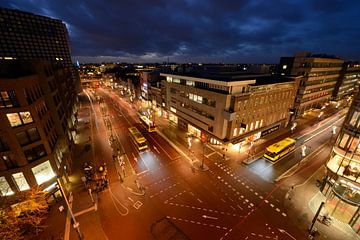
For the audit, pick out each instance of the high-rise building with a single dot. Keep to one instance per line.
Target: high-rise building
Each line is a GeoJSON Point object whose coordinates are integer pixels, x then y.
{"type": "Point", "coordinates": [37, 117]}
{"type": "Point", "coordinates": [341, 185]}
{"type": "Point", "coordinates": [26, 36]}
{"type": "Point", "coordinates": [320, 74]}
{"type": "Point", "coordinates": [37, 101]}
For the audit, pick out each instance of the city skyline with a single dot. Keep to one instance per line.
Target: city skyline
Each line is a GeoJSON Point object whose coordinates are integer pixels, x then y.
{"type": "Point", "coordinates": [237, 32]}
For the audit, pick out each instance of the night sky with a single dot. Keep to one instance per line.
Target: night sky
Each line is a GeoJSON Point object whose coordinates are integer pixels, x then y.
{"type": "Point", "coordinates": [203, 30]}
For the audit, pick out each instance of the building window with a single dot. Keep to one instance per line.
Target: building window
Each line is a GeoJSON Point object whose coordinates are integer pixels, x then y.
{"type": "Point", "coordinates": [20, 181]}
{"type": "Point", "coordinates": [8, 99]}
{"type": "Point", "coordinates": [3, 145]}
{"type": "Point", "coordinates": [5, 189]}
{"type": "Point", "coordinates": [29, 136]}
{"type": "Point", "coordinates": [190, 83]}
{"type": "Point", "coordinates": [355, 119]}
{"type": "Point", "coordinates": [26, 117]}
{"type": "Point", "coordinates": [43, 172]}
{"type": "Point", "coordinates": [14, 119]}
{"type": "Point", "coordinates": [257, 124]}
{"type": "Point", "coordinates": [8, 163]}
{"type": "Point", "coordinates": [35, 153]}
{"type": "Point", "coordinates": [235, 132]}
{"type": "Point", "coordinates": [17, 119]}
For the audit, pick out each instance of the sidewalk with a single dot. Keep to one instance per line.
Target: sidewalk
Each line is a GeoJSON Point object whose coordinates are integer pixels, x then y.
{"type": "Point", "coordinates": [302, 203]}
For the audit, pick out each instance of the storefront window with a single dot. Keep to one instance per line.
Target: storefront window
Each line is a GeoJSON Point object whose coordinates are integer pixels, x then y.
{"type": "Point", "coordinates": [43, 172]}
{"type": "Point", "coordinates": [20, 181]}
{"type": "Point", "coordinates": [343, 140]}
{"type": "Point", "coordinates": [5, 189]}
{"type": "Point", "coordinates": [354, 118]}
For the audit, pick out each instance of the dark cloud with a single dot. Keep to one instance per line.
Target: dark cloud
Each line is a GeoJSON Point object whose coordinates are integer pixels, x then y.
{"type": "Point", "coordinates": [203, 30]}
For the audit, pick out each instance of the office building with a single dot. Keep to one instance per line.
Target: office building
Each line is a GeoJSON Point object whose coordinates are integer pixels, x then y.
{"type": "Point", "coordinates": [320, 74]}
{"type": "Point", "coordinates": [229, 109]}
{"type": "Point", "coordinates": [349, 77]}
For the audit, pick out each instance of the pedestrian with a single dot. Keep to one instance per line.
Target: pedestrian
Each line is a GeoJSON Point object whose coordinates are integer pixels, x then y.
{"type": "Point", "coordinates": [290, 192]}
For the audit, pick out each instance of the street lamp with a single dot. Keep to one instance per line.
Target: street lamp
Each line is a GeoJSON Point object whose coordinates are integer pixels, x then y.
{"type": "Point", "coordinates": [75, 223]}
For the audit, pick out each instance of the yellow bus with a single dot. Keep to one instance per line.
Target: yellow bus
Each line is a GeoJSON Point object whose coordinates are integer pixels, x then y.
{"type": "Point", "coordinates": [277, 150]}
{"type": "Point", "coordinates": [150, 126]}
{"type": "Point", "coordinates": [138, 138]}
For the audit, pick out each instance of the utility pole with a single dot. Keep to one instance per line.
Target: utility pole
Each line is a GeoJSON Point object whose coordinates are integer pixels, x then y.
{"type": "Point", "coordinates": [75, 224]}
{"type": "Point", "coordinates": [316, 216]}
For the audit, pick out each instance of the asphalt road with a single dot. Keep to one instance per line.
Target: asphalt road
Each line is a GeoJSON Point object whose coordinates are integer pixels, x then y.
{"type": "Point", "coordinates": [313, 138]}
{"type": "Point", "coordinates": [226, 202]}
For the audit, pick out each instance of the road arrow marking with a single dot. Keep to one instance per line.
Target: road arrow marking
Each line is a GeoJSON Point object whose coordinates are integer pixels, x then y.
{"type": "Point", "coordinates": [283, 231]}
{"type": "Point", "coordinates": [210, 217]}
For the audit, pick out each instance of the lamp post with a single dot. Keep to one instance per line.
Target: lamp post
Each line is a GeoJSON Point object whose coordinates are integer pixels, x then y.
{"type": "Point", "coordinates": [75, 224]}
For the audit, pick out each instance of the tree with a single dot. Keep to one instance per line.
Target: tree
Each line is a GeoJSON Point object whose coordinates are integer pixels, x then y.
{"type": "Point", "coordinates": [22, 213]}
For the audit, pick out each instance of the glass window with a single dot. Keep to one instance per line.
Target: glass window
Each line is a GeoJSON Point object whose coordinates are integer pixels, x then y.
{"type": "Point", "coordinates": [22, 138]}
{"type": "Point", "coordinates": [26, 117]}
{"type": "Point", "coordinates": [190, 83]}
{"type": "Point", "coordinates": [5, 189]}
{"type": "Point", "coordinates": [343, 140]}
{"type": "Point", "coordinates": [354, 118]}
{"type": "Point", "coordinates": [43, 172]}
{"type": "Point", "coordinates": [14, 119]}
{"type": "Point", "coordinates": [33, 134]}
{"type": "Point", "coordinates": [20, 181]}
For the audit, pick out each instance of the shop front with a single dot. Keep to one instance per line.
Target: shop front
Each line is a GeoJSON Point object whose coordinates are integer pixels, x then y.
{"type": "Point", "coordinates": [194, 131]}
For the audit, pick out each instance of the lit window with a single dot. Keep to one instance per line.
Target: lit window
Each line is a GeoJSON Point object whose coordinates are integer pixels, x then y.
{"type": "Point", "coordinates": [190, 83]}
{"type": "Point", "coordinates": [173, 109]}
{"type": "Point", "coordinates": [284, 67]}
{"type": "Point", "coordinates": [26, 117]}
{"type": "Point", "coordinates": [43, 172]}
{"type": "Point", "coordinates": [14, 119]}
{"type": "Point", "coordinates": [20, 181]}
{"type": "Point", "coordinates": [235, 132]}
{"type": "Point", "coordinates": [5, 189]}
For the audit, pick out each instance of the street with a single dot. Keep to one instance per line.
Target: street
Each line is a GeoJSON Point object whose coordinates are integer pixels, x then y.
{"type": "Point", "coordinates": [229, 201]}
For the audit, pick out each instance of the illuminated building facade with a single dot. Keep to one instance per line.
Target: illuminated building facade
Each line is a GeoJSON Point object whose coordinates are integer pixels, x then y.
{"type": "Point", "coordinates": [319, 73]}
{"type": "Point", "coordinates": [37, 117]}
{"type": "Point", "coordinates": [229, 111]}
{"type": "Point", "coordinates": [342, 186]}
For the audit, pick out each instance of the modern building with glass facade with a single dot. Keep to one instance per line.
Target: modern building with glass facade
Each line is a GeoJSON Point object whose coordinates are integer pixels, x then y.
{"type": "Point", "coordinates": [343, 171]}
